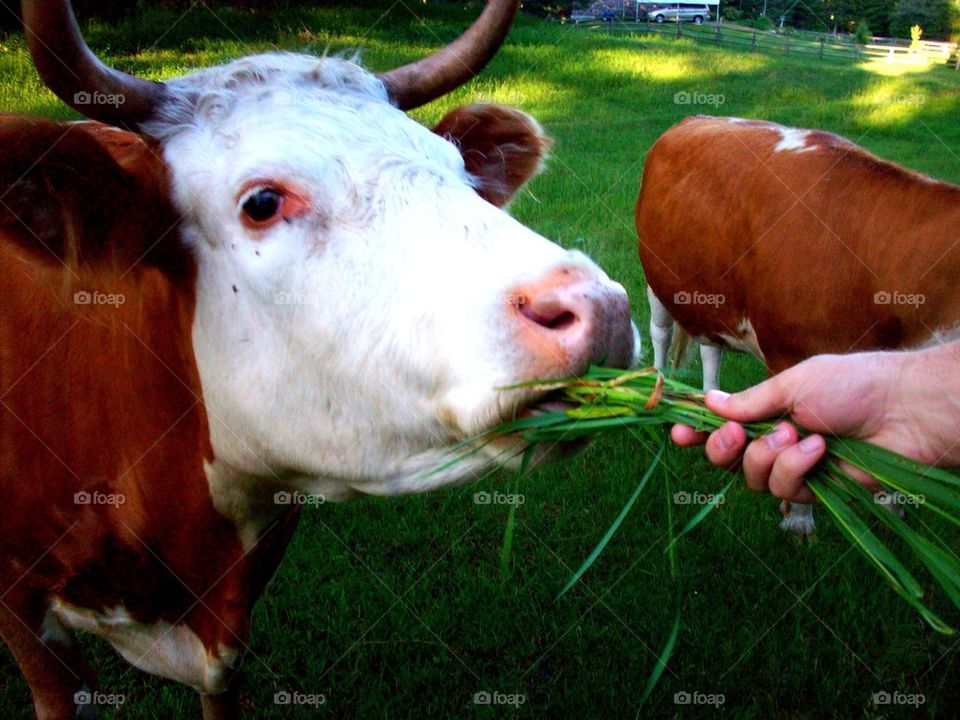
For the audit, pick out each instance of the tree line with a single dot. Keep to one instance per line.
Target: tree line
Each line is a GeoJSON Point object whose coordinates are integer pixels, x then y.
{"type": "Point", "coordinates": [939, 19]}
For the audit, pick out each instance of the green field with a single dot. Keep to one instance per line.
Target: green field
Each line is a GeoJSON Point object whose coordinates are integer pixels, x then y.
{"type": "Point", "coordinates": [397, 608]}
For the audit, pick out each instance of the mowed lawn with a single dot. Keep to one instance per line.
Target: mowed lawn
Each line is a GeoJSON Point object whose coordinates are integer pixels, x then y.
{"type": "Point", "coordinates": [398, 608]}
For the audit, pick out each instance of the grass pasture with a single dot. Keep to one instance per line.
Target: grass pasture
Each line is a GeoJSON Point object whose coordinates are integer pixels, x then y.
{"type": "Point", "coordinates": [397, 608]}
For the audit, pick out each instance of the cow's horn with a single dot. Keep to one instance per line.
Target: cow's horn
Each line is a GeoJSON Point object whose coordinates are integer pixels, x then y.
{"type": "Point", "coordinates": [77, 76]}
{"type": "Point", "coordinates": [424, 80]}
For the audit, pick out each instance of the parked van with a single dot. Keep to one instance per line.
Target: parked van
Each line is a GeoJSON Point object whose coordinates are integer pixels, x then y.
{"type": "Point", "coordinates": [686, 12]}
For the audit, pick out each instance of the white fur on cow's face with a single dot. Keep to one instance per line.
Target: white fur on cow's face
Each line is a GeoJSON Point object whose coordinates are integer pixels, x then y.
{"type": "Point", "coordinates": [348, 347]}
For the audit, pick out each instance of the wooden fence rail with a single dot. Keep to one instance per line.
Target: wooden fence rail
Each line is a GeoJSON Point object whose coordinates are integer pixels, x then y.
{"type": "Point", "coordinates": [925, 52]}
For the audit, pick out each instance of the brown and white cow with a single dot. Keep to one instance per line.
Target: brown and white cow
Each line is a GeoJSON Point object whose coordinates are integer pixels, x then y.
{"type": "Point", "coordinates": [279, 284]}
{"type": "Point", "coordinates": [787, 243]}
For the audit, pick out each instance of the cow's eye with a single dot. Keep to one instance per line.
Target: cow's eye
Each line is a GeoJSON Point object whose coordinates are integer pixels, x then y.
{"type": "Point", "coordinates": [262, 205]}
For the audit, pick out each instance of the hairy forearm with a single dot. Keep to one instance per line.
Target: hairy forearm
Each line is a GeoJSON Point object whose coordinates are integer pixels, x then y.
{"type": "Point", "coordinates": [931, 373]}
{"type": "Point", "coordinates": [925, 399]}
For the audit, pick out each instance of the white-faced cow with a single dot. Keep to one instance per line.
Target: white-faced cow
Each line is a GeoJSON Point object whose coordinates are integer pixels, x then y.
{"type": "Point", "coordinates": [787, 243]}
{"type": "Point", "coordinates": [278, 283]}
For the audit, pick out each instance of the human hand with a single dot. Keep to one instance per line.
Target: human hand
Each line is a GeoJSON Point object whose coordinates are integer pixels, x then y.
{"type": "Point", "coordinates": [904, 401]}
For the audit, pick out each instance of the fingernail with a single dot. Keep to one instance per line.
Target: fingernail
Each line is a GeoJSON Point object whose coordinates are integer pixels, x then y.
{"type": "Point", "coordinates": [811, 443]}
{"type": "Point", "coordinates": [724, 440]}
{"type": "Point", "coordinates": [718, 396]}
{"type": "Point", "coordinates": [778, 438]}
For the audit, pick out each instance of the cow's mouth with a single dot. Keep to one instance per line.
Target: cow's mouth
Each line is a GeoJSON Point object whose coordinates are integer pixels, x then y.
{"type": "Point", "coordinates": [551, 402]}
{"type": "Point", "coordinates": [512, 444]}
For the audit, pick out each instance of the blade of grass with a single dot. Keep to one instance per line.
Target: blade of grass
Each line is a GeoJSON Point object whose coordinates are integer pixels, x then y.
{"type": "Point", "coordinates": [671, 553]}
{"type": "Point", "coordinates": [606, 399]}
{"type": "Point", "coordinates": [899, 578]}
{"type": "Point", "coordinates": [701, 514]}
{"type": "Point", "coordinates": [890, 460]}
{"type": "Point", "coordinates": [854, 527]}
{"type": "Point", "coordinates": [507, 550]}
{"type": "Point", "coordinates": [661, 662]}
{"type": "Point", "coordinates": [944, 566]}
{"type": "Point", "coordinates": [613, 528]}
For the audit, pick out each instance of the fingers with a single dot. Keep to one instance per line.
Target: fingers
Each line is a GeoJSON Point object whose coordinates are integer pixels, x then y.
{"type": "Point", "coordinates": [769, 398]}
{"type": "Point", "coordinates": [761, 454]}
{"type": "Point", "coordinates": [861, 477]}
{"type": "Point", "coordinates": [685, 436]}
{"type": "Point", "coordinates": [787, 477]}
{"type": "Point", "coordinates": [777, 463]}
{"type": "Point", "coordinates": [725, 446]}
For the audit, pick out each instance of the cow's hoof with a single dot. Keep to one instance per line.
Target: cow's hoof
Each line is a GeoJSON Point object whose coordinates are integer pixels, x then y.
{"type": "Point", "coordinates": [804, 528]}
{"type": "Point", "coordinates": [893, 503]}
{"type": "Point", "coordinates": [798, 519]}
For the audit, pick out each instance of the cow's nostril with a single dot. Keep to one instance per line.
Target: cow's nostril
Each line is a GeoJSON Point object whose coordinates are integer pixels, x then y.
{"type": "Point", "coordinates": [559, 319]}
{"type": "Point", "coordinates": [562, 321]}
{"type": "Point", "coordinates": [569, 318]}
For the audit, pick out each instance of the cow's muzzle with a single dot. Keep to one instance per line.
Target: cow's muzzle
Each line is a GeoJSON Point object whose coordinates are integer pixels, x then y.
{"type": "Point", "coordinates": [571, 318]}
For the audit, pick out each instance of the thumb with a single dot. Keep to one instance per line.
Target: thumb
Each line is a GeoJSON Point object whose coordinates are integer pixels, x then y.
{"type": "Point", "coordinates": [768, 399]}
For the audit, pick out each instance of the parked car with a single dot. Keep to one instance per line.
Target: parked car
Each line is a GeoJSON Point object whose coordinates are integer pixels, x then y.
{"type": "Point", "coordinates": [685, 12]}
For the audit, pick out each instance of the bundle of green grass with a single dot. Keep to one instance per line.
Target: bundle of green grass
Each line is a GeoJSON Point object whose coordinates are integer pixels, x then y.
{"type": "Point", "coordinates": [606, 400]}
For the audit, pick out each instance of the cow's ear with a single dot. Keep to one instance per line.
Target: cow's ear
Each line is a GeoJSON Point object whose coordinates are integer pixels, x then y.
{"type": "Point", "coordinates": [502, 148]}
